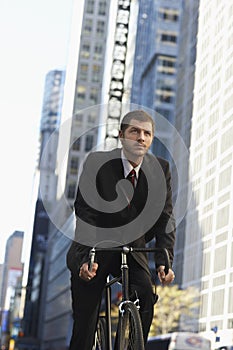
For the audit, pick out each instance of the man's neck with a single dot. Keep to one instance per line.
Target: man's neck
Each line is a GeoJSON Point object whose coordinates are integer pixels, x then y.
{"type": "Point", "coordinates": [133, 160]}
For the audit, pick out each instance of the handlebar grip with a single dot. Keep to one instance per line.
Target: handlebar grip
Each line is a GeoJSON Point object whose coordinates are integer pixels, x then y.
{"type": "Point", "coordinates": [167, 261]}
{"type": "Point", "coordinates": [91, 259]}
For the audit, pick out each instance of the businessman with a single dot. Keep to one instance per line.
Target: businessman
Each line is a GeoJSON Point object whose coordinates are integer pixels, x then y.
{"type": "Point", "coordinates": [109, 208]}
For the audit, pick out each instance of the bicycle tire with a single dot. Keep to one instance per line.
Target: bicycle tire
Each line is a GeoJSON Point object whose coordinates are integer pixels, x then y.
{"type": "Point", "coordinates": [130, 335]}
{"type": "Point", "coordinates": [101, 335]}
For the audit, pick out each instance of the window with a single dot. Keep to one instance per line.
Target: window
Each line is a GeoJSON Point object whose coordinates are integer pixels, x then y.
{"type": "Point", "coordinates": [166, 65]}
{"type": "Point", "coordinates": [204, 304]}
{"type": "Point", "coordinates": [168, 37]}
{"type": "Point", "coordinates": [206, 263]}
{"type": "Point", "coordinates": [71, 191]}
{"type": "Point", "coordinates": [74, 165]}
{"type": "Point", "coordinates": [230, 321]}
{"type": "Point", "coordinates": [218, 281]}
{"type": "Point", "coordinates": [76, 144]}
{"type": "Point", "coordinates": [212, 152]}
{"type": "Point", "coordinates": [224, 178]}
{"type": "Point", "coordinates": [217, 303]}
{"type": "Point", "coordinates": [94, 95]}
{"type": "Point", "coordinates": [222, 217]}
{"type": "Point", "coordinates": [92, 118]}
{"type": "Point", "coordinates": [209, 189]}
{"type": "Point", "coordinates": [227, 140]}
{"type": "Point", "coordinates": [88, 26]}
{"type": "Point", "coordinates": [165, 95]}
{"type": "Point", "coordinates": [85, 50]}
{"type": "Point", "coordinates": [89, 142]}
{"type": "Point", "coordinates": [102, 8]}
{"type": "Point", "coordinates": [81, 93]}
{"type": "Point", "coordinates": [90, 6]}
{"type": "Point", "coordinates": [84, 72]}
{"type": "Point", "coordinates": [98, 50]}
{"type": "Point", "coordinates": [206, 225]}
{"type": "Point", "coordinates": [96, 70]}
{"type": "Point", "coordinates": [197, 164]}
{"type": "Point", "coordinates": [79, 117]}
{"type": "Point", "coordinates": [100, 28]}
{"type": "Point", "coordinates": [168, 14]}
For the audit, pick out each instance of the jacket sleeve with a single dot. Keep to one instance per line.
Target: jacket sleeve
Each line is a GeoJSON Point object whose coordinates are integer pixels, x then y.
{"type": "Point", "coordinates": [164, 229]}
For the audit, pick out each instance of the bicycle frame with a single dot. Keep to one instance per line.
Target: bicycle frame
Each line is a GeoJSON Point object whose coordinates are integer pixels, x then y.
{"type": "Point", "coordinates": [124, 278]}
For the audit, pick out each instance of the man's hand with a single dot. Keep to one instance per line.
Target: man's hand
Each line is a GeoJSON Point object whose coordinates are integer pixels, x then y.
{"type": "Point", "coordinates": [165, 279]}
{"type": "Point", "coordinates": [85, 274]}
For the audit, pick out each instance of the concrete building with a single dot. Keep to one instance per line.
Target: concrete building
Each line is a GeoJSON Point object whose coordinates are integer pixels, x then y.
{"type": "Point", "coordinates": [183, 117]}
{"type": "Point", "coordinates": [1, 280]}
{"type": "Point", "coordinates": [49, 132]}
{"type": "Point", "coordinates": [12, 266]}
{"type": "Point", "coordinates": [83, 95]}
{"type": "Point", "coordinates": [155, 65]}
{"type": "Point", "coordinates": [208, 253]}
{"type": "Point", "coordinates": [12, 274]}
{"type": "Point", "coordinates": [77, 136]}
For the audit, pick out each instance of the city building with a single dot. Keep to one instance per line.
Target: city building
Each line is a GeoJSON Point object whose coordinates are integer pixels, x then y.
{"type": "Point", "coordinates": [208, 251]}
{"type": "Point", "coordinates": [1, 281]}
{"type": "Point", "coordinates": [85, 102]}
{"type": "Point", "coordinates": [49, 132]}
{"type": "Point", "coordinates": [11, 277]}
{"type": "Point", "coordinates": [12, 266]}
{"type": "Point", "coordinates": [183, 118]}
{"type": "Point", "coordinates": [77, 136]}
{"type": "Point", "coordinates": [155, 66]}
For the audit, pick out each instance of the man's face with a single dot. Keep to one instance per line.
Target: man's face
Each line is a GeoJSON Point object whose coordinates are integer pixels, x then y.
{"type": "Point", "coordinates": [137, 138]}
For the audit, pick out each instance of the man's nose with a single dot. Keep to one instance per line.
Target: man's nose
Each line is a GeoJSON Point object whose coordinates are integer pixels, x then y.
{"type": "Point", "coordinates": [141, 135]}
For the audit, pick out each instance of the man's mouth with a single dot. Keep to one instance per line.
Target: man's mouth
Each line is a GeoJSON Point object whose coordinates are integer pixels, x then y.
{"type": "Point", "coordinates": [139, 145]}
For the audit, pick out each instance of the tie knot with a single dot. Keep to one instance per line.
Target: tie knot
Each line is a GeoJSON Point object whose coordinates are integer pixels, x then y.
{"type": "Point", "coordinates": [132, 173]}
{"type": "Point", "coordinates": [132, 176]}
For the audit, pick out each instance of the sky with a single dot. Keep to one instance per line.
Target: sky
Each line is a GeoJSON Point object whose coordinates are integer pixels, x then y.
{"type": "Point", "coordinates": [34, 39]}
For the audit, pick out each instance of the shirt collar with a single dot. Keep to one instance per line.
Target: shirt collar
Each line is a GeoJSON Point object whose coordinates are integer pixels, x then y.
{"type": "Point", "coordinates": [128, 167]}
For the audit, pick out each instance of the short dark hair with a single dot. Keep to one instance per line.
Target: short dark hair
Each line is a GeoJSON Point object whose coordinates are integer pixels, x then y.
{"type": "Point", "coordinates": [137, 115]}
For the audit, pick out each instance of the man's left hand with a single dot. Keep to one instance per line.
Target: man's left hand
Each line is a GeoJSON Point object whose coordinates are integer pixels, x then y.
{"type": "Point", "coordinates": [165, 279]}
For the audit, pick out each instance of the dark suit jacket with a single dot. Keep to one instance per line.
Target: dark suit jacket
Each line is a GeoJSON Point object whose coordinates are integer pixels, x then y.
{"type": "Point", "coordinates": [148, 215]}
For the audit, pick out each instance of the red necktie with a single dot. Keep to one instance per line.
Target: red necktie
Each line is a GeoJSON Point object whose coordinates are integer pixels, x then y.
{"type": "Point", "coordinates": [132, 177]}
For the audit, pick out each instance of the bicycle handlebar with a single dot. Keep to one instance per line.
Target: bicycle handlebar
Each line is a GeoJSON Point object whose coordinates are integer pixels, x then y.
{"type": "Point", "coordinates": [128, 249]}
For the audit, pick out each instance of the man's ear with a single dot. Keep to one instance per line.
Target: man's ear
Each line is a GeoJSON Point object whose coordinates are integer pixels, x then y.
{"type": "Point", "coordinates": [120, 134]}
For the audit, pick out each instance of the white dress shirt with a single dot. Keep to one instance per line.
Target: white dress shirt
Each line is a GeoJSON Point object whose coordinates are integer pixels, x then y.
{"type": "Point", "coordinates": [128, 167]}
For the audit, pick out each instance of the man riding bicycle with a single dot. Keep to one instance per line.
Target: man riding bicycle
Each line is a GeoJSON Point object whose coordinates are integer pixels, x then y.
{"type": "Point", "coordinates": [110, 210]}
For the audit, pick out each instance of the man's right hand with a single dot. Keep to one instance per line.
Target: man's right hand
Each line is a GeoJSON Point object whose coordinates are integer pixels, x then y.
{"type": "Point", "coordinates": [84, 272]}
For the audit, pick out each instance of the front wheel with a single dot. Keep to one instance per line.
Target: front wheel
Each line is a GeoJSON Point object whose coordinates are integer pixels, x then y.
{"type": "Point", "coordinates": [100, 335]}
{"type": "Point", "coordinates": [130, 335]}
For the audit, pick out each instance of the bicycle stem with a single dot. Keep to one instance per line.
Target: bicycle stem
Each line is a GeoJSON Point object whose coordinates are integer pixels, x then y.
{"type": "Point", "coordinates": [125, 275]}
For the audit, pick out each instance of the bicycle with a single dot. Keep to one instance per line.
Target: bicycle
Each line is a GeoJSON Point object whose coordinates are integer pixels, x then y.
{"type": "Point", "coordinates": [129, 329]}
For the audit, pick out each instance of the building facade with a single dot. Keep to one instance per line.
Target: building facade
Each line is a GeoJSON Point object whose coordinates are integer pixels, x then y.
{"type": "Point", "coordinates": [11, 278]}
{"type": "Point", "coordinates": [79, 131]}
{"type": "Point", "coordinates": [87, 92]}
{"type": "Point", "coordinates": [155, 65]}
{"type": "Point", "coordinates": [208, 253]}
{"type": "Point", "coordinates": [49, 132]}
{"type": "Point", "coordinates": [183, 117]}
